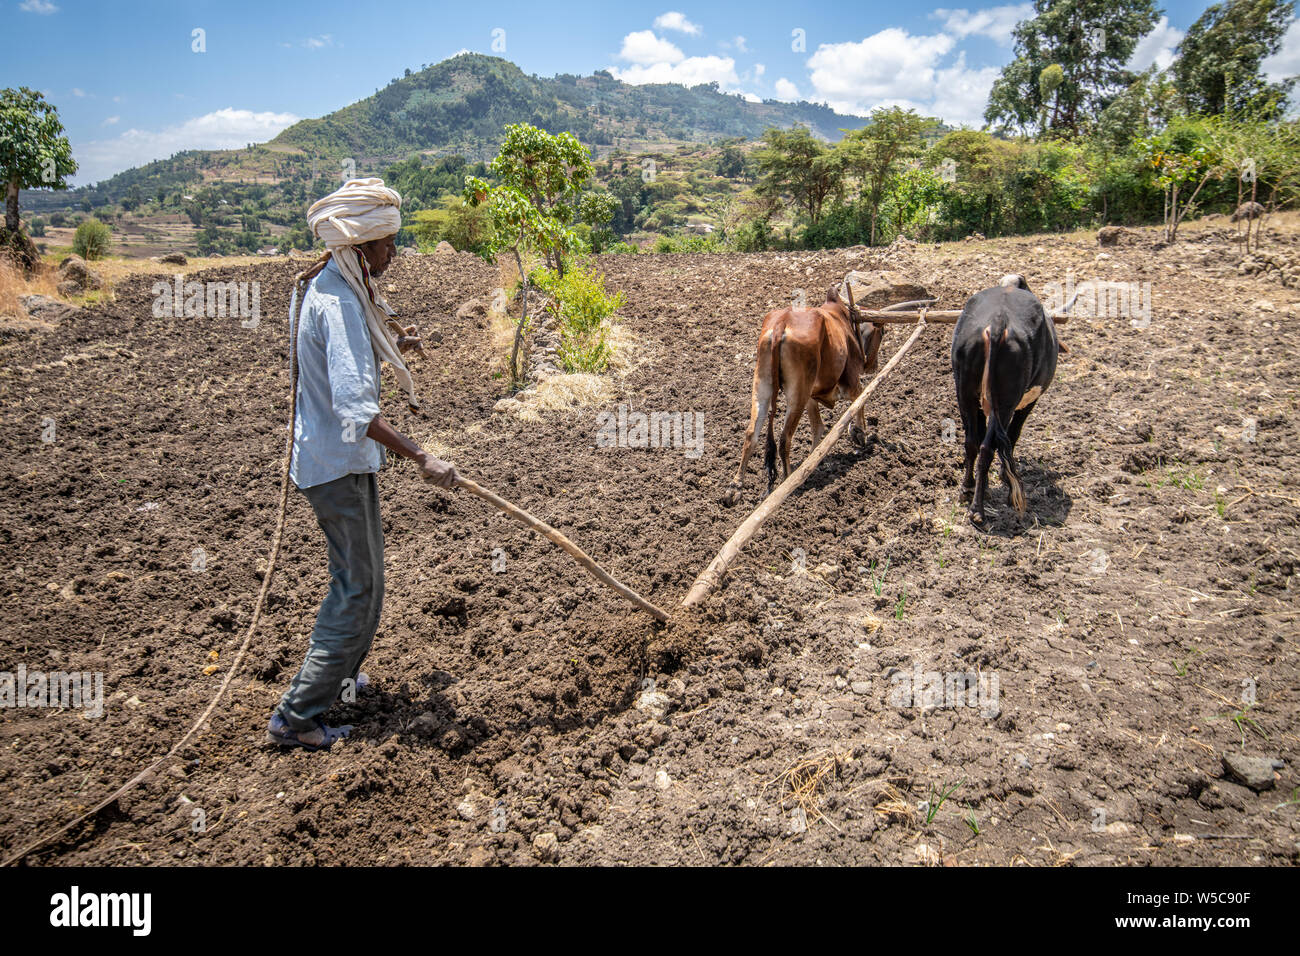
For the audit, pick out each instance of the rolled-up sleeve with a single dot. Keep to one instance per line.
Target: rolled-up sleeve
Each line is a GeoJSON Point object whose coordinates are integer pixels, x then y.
{"type": "Point", "coordinates": [352, 369]}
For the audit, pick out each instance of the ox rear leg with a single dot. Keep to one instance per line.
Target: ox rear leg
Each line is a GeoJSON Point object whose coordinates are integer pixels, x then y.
{"type": "Point", "coordinates": [974, 426]}
{"type": "Point", "coordinates": [815, 423]}
{"type": "Point", "coordinates": [984, 458]}
{"type": "Point", "coordinates": [769, 452]}
{"type": "Point", "coordinates": [758, 415]}
{"type": "Point", "coordinates": [858, 430]}
{"type": "Point", "coordinates": [792, 416]}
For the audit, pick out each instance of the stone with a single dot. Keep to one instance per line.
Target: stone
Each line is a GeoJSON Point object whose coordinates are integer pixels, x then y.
{"type": "Point", "coordinates": [425, 723]}
{"type": "Point", "coordinates": [1111, 235]}
{"type": "Point", "coordinates": [653, 703]}
{"type": "Point", "coordinates": [173, 259]}
{"type": "Point", "coordinates": [875, 290]}
{"type": "Point", "coordinates": [474, 805]}
{"type": "Point", "coordinates": [547, 846]}
{"type": "Point", "coordinates": [1254, 772]}
{"type": "Point", "coordinates": [475, 311]}
{"type": "Point", "coordinates": [76, 274]}
{"type": "Point", "coordinates": [45, 309]}
{"type": "Point", "coordinates": [444, 248]}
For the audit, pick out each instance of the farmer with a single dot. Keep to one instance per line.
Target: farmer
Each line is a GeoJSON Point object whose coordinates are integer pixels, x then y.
{"type": "Point", "coordinates": [344, 332]}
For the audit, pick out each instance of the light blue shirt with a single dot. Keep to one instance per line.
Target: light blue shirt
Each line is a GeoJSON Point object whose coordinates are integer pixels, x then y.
{"type": "Point", "coordinates": [338, 385]}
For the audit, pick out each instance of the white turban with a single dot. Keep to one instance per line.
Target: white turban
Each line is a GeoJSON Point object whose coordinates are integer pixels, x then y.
{"type": "Point", "coordinates": [363, 210]}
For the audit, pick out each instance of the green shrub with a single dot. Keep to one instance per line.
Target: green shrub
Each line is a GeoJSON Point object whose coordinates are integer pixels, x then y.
{"type": "Point", "coordinates": [38, 227]}
{"type": "Point", "coordinates": [584, 310]}
{"type": "Point", "coordinates": [92, 239]}
{"type": "Point", "coordinates": [683, 243]}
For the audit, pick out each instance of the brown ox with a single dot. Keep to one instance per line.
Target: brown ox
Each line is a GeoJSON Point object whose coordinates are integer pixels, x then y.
{"type": "Point", "coordinates": [815, 356]}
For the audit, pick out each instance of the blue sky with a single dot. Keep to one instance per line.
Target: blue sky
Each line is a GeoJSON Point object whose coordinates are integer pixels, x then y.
{"type": "Point", "coordinates": [130, 86]}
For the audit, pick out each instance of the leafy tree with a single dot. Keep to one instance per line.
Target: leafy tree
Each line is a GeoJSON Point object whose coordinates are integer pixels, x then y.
{"type": "Point", "coordinates": [595, 210]}
{"type": "Point", "coordinates": [1182, 161]}
{"type": "Point", "coordinates": [731, 162]}
{"type": "Point", "coordinates": [792, 163]}
{"type": "Point", "coordinates": [34, 154]}
{"type": "Point", "coordinates": [1218, 69]}
{"type": "Point", "coordinates": [548, 171]}
{"type": "Point", "coordinates": [532, 205]}
{"type": "Point", "coordinates": [466, 227]}
{"type": "Point", "coordinates": [876, 154]}
{"type": "Point", "coordinates": [1090, 40]}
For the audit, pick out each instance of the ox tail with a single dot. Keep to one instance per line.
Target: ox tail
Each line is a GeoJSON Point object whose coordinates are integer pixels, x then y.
{"type": "Point", "coordinates": [998, 419]}
{"type": "Point", "coordinates": [769, 449]}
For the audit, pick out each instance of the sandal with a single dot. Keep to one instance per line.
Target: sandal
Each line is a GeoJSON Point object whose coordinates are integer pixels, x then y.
{"type": "Point", "coordinates": [320, 737]}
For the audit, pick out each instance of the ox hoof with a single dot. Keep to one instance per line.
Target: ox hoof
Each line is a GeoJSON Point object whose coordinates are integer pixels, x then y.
{"type": "Point", "coordinates": [967, 492]}
{"type": "Point", "coordinates": [858, 436]}
{"type": "Point", "coordinates": [730, 497]}
{"type": "Point", "coordinates": [977, 518]}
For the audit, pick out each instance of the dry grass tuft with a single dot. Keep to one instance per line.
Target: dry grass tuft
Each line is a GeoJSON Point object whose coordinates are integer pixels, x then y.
{"type": "Point", "coordinates": [895, 807]}
{"type": "Point", "coordinates": [627, 354]}
{"type": "Point", "coordinates": [804, 781]}
{"type": "Point", "coordinates": [559, 393]}
{"type": "Point", "coordinates": [14, 285]}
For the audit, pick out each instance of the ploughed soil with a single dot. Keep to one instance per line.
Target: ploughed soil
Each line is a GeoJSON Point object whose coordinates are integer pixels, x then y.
{"type": "Point", "coordinates": [1137, 624]}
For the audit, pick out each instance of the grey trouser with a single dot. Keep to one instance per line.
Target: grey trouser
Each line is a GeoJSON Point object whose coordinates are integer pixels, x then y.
{"type": "Point", "coordinates": [347, 509]}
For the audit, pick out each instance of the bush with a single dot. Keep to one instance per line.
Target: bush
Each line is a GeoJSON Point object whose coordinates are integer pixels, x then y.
{"type": "Point", "coordinates": [38, 226]}
{"type": "Point", "coordinates": [584, 309]}
{"type": "Point", "coordinates": [92, 239]}
{"type": "Point", "coordinates": [685, 243]}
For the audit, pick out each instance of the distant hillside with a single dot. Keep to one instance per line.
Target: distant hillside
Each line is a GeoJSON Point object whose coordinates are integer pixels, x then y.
{"type": "Point", "coordinates": [460, 106]}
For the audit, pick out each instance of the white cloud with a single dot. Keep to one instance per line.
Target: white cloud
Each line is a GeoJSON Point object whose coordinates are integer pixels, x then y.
{"type": "Point", "coordinates": [996, 23]}
{"type": "Point", "coordinates": [222, 129]}
{"type": "Point", "coordinates": [42, 7]}
{"type": "Point", "coordinates": [645, 48]}
{"type": "Point", "coordinates": [1286, 61]}
{"type": "Point", "coordinates": [672, 20]}
{"type": "Point", "coordinates": [787, 91]}
{"type": "Point", "coordinates": [886, 65]}
{"type": "Point", "coordinates": [751, 97]}
{"type": "Point", "coordinates": [1157, 47]}
{"type": "Point", "coordinates": [111, 120]}
{"type": "Point", "coordinates": [759, 69]}
{"type": "Point", "coordinates": [740, 45]}
{"type": "Point", "coordinates": [688, 72]}
{"type": "Point", "coordinates": [319, 43]}
{"type": "Point", "coordinates": [895, 68]}
{"type": "Point", "coordinates": [78, 92]}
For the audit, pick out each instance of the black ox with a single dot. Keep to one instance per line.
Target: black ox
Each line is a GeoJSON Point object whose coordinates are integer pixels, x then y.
{"type": "Point", "coordinates": [1004, 350]}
